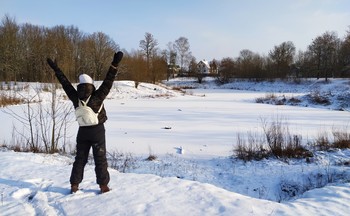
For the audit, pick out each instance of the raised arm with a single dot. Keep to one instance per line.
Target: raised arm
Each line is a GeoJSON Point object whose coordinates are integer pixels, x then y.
{"type": "Point", "coordinates": [67, 86]}
{"type": "Point", "coordinates": [107, 83]}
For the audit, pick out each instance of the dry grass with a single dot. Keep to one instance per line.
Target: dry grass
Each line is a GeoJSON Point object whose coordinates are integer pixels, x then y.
{"type": "Point", "coordinates": [121, 161]}
{"type": "Point", "coordinates": [338, 139]}
{"type": "Point", "coordinates": [278, 143]}
{"type": "Point", "coordinates": [6, 100]}
{"type": "Point", "coordinates": [271, 98]}
{"type": "Point", "coordinates": [268, 97]}
{"type": "Point", "coordinates": [151, 157]}
{"type": "Point", "coordinates": [319, 98]}
{"type": "Point", "coordinates": [341, 139]}
{"type": "Point", "coordinates": [250, 149]}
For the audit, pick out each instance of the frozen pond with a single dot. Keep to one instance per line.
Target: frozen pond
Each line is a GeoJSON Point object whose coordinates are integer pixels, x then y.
{"type": "Point", "coordinates": [204, 122]}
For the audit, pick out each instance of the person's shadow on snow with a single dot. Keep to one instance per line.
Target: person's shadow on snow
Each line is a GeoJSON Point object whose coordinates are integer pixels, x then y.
{"type": "Point", "coordinates": [27, 190]}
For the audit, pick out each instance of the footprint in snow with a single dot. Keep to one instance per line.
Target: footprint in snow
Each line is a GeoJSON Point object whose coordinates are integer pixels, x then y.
{"type": "Point", "coordinates": [24, 194]}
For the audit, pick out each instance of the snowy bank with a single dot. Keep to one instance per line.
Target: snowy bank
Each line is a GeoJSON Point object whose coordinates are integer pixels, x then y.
{"type": "Point", "coordinates": [36, 184]}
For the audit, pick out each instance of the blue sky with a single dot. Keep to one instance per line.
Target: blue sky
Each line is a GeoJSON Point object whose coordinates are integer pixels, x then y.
{"type": "Point", "coordinates": [215, 28]}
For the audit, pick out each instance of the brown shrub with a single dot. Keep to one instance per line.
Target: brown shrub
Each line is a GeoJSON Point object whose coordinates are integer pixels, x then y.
{"type": "Point", "coordinates": [341, 139]}
{"type": "Point", "coordinates": [6, 100]}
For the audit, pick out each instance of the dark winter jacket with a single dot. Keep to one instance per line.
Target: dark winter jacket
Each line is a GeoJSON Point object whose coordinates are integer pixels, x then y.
{"type": "Point", "coordinates": [83, 91]}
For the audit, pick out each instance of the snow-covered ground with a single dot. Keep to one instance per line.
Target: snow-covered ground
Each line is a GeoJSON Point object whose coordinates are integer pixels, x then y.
{"type": "Point", "coordinates": [192, 134]}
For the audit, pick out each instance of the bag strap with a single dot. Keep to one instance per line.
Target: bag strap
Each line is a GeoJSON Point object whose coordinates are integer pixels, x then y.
{"type": "Point", "coordinates": [84, 103]}
{"type": "Point", "coordinates": [87, 101]}
{"type": "Point", "coordinates": [99, 110]}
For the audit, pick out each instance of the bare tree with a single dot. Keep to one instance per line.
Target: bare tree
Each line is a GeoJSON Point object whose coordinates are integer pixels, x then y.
{"type": "Point", "coordinates": [324, 50]}
{"type": "Point", "coordinates": [214, 65]}
{"type": "Point", "coordinates": [34, 52]}
{"type": "Point", "coordinates": [171, 60]}
{"type": "Point", "coordinates": [103, 47]}
{"type": "Point", "coordinates": [9, 49]}
{"type": "Point", "coordinates": [159, 68]}
{"type": "Point", "coordinates": [27, 120]}
{"type": "Point", "coordinates": [226, 70]}
{"type": "Point", "coordinates": [60, 47]}
{"type": "Point", "coordinates": [249, 65]}
{"type": "Point", "coordinates": [44, 125]}
{"type": "Point", "coordinates": [344, 55]}
{"type": "Point", "coordinates": [75, 37]}
{"type": "Point", "coordinates": [148, 48]}
{"type": "Point", "coordinates": [182, 46]}
{"type": "Point", "coordinates": [193, 70]}
{"type": "Point", "coordinates": [282, 57]}
{"type": "Point", "coordinates": [135, 67]}
{"type": "Point", "coordinates": [53, 122]}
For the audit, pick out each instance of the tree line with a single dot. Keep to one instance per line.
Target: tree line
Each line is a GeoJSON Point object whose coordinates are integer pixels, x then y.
{"type": "Point", "coordinates": [24, 49]}
{"type": "Point", "coordinates": [327, 56]}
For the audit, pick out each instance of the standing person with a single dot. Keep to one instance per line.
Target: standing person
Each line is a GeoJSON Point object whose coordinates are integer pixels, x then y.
{"type": "Point", "coordinates": [92, 135]}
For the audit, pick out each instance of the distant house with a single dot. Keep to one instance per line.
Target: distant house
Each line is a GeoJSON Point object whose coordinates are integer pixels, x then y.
{"type": "Point", "coordinates": [203, 67]}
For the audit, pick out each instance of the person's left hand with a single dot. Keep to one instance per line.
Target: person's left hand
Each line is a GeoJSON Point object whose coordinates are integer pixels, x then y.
{"type": "Point", "coordinates": [53, 64]}
{"type": "Point", "coordinates": [117, 58]}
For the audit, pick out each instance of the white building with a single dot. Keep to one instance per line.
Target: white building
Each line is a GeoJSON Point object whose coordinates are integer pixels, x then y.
{"type": "Point", "coordinates": [203, 67]}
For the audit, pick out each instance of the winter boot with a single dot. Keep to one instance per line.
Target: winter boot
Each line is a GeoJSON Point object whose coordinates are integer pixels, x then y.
{"type": "Point", "coordinates": [74, 188]}
{"type": "Point", "coordinates": [104, 188]}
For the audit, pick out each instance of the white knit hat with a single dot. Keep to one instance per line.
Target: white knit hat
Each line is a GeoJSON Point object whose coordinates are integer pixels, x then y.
{"type": "Point", "coordinates": [84, 78]}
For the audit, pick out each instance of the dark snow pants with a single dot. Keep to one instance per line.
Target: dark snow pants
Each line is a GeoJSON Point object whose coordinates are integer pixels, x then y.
{"type": "Point", "coordinates": [93, 136]}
